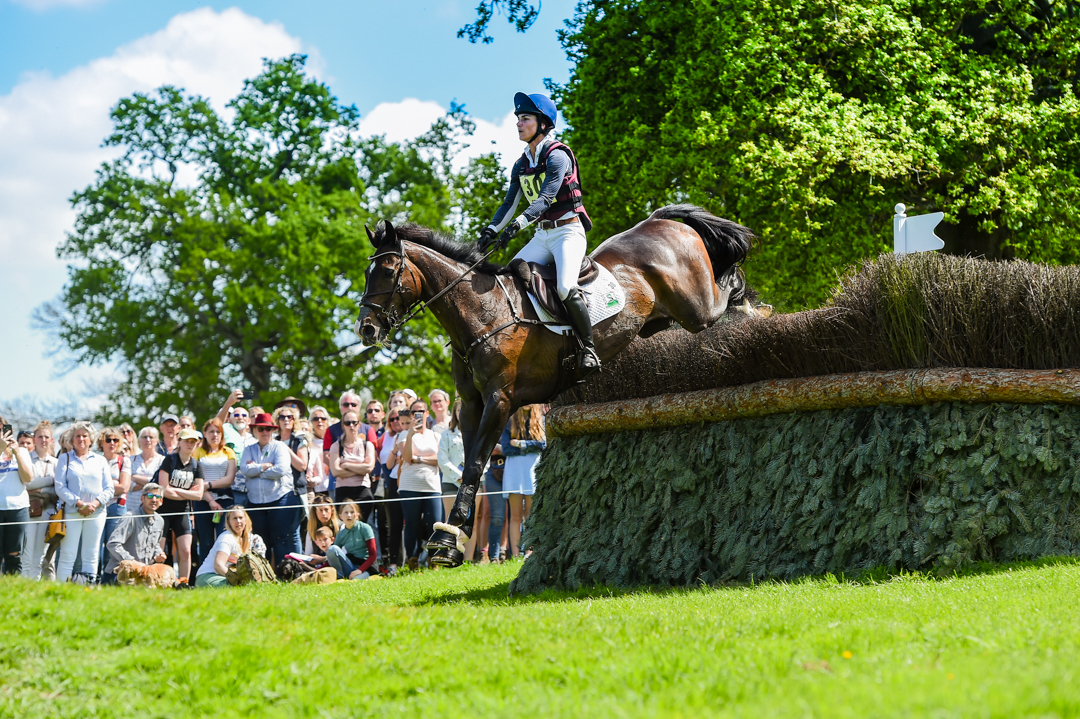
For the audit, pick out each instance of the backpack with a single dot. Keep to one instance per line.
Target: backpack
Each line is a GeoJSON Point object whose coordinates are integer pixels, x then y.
{"type": "Point", "coordinates": [250, 567]}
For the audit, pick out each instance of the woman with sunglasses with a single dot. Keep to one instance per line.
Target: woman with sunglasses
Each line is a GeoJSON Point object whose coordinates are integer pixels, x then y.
{"type": "Point", "coordinates": [351, 460]}
{"type": "Point", "coordinates": [267, 464]}
{"type": "Point", "coordinates": [144, 465]}
{"type": "Point", "coordinates": [390, 520]}
{"type": "Point", "coordinates": [38, 557]}
{"type": "Point", "coordinates": [418, 481]}
{"type": "Point", "coordinates": [219, 470]}
{"type": "Point", "coordinates": [286, 415]}
{"type": "Point", "coordinates": [111, 444]}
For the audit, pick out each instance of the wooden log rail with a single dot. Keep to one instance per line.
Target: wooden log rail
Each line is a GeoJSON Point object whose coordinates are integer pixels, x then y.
{"type": "Point", "coordinates": [801, 394]}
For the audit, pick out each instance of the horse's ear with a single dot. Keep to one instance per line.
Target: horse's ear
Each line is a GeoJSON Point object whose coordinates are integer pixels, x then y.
{"type": "Point", "coordinates": [371, 237]}
{"type": "Point", "coordinates": [389, 233]}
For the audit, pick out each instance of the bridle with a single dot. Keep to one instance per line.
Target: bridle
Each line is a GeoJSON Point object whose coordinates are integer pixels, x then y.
{"type": "Point", "coordinates": [388, 314]}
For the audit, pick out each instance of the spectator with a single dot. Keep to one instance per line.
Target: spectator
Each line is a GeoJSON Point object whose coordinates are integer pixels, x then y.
{"type": "Point", "coordinates": [418, 482]}
{"type": "Point", "coordinates": [440, 411]}
{"type": "Point", "coordinates": [293, 403]}
{"type": "Point", "coordinates": [410, 396]}
{"type": "Point", "coordinates": [16, 472]}
{"type": "Point", "coordinates": [267, 464]}
{"type": "Point", "coordinates": [351, 460]}
{"type": "Point", "coordinates": [389, 518]}
{"type": "Point", "coordinates": [320, 422]}
{"type": "Point", "coordinates": [182, 479]}
{"type": "Point", "coordinates": [349, 400]}
{"type": "Point", "coordinates": [187, 422]}
{"type": "Point", "coordinates": [522, 441]}
{"type": "Point", "coordinates": [38, 558]}
{"type": "Point", "coordinates": [496, 502]}
{"type": "Point", "coordinates": [234, 421]}
{"type": "Point", "coordinates": [131, 447]}
{"type": "Point", "coordinates": [238, 540]}
{"type": "Point", "coordinates": [374, 415]}
{"type": "Point", "coordinates": [65, 439]}
{"type": "Point", "coordinates": [324, 539]}
{"type": "Point", "coordinates": [25, 439]}
{"type": "Point", "coordinates": [144, 465]}
{"type": "Point", "coordinates": [84, 484]}
{"type": "Point", "coordinates": [170, 435]}
{"type": "Point", "coordinates": [286, 417]}
{"type": "Point", "coordinates": [398, 402]}
{"type": "Point", "coordinates": [219, 470]}
{"type": "Point", "coordinates": [451, 458]}
{"type": "Point", "coordinates": [111, 445]}
{"type": "Point", "coordinates": [139, 535]}
{"type": "Point", "coordinates": [322, 514]}
{"type": "Point", "coordinates": [353, 551]}
{"type": "Point", "coordinates": [318, 475]}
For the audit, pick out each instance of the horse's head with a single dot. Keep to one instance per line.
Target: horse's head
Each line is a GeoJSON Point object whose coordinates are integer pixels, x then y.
{"type": "Point", "coordinates": [390, 288]}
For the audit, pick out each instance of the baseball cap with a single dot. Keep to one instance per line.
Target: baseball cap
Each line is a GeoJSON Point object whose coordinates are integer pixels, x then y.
{"type": "Point", "coordinates": [165, 418]}
{"type": "Point", "coordinates": [189, 433]}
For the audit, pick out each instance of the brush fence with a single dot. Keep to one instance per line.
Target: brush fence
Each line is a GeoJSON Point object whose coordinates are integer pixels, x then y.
{"type": "Point", "coordinates": [928, 469]}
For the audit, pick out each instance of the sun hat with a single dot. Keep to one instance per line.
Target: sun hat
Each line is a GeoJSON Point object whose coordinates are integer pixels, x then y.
{"type": "Point", "coordinates": [300, 406]}
{"type": "Point", "coordinates": [165, 418]}
{"type": "Point", "coordinates": [263, 419]}
{"type": "Point", "coordinates": [409, 392]}
{"type": "Point", "coordinates": [189, 433]}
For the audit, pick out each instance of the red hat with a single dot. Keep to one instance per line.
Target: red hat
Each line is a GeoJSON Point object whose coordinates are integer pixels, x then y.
{"type": "Point", "coordinates": [263, 420]}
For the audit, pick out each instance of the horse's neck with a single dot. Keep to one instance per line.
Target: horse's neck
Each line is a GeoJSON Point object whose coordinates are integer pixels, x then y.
{"type": "Point", "coordinates": [437, 272]}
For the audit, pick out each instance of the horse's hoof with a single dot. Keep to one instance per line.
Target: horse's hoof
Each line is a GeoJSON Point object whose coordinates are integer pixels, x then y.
{"type": "Point", "coordinates": [447, 557]}
{"type": "Point", "coordinates": [441, 539]}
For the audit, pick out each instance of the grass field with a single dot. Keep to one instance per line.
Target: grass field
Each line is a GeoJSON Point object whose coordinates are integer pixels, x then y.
{"type": "Point", "coordinates": [998, 642]}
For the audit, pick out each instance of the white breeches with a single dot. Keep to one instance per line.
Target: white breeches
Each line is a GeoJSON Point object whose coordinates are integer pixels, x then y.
{"type": "Point", "coordinates": [566, 246]}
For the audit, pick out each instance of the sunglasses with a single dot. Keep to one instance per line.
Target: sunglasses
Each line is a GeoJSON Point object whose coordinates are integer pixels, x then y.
{"type": "Point", "coordinates": [112, 440]}
{"type": "Point", "coordinates": [127, 431]}
{"type": "Point", "coordinates": [153, 496]}
{"type": "Point", "coordinates": [264, 429]}
{"type": "Point", "coordinates": [320, 419]}
{"type": "Point", "coordinates": [241, 415]}
{"type": "Point", "coordinates": [286, 416]}
{"type": "Point", "coordinates": [351, 422]}
{"type": "Point", "coordinates": [373, 410]}
{"type": "Point", "coordinates": [394, 419]}
{"type": "Point", "coordinates": [350, 404]}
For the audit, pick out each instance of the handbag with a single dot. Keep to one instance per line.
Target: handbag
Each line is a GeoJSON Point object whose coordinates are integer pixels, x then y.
{"type": "Point", "coordinates": [55, 531]}
{"type": "Point", "coordinates": [37, 507]}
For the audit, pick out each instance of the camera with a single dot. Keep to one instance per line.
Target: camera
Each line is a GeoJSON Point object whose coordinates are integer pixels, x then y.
{"type": "Point", "coordinates": [249, 394]}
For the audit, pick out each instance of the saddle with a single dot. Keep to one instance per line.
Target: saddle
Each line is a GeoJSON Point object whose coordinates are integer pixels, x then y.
{"type": "Point", "coordinates": [540, 283]}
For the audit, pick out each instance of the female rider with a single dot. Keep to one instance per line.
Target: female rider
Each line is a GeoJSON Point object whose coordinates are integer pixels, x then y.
{"type": "Point", "coordinates": [547, 176]}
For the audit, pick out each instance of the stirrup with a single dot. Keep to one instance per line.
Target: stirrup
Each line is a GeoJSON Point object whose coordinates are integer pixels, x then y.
{"type": "Point", "coordinates": [585, 367]}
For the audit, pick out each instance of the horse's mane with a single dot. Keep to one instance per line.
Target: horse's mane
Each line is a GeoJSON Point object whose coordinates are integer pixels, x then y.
{"type": "Point", "coordinates": [464, 252]}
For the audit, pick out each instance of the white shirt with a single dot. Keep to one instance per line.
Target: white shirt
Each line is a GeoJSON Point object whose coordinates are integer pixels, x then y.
{"type": "Point", "coordinates": [12, 490]}
{"type": "Point", "coordinates": [420, 477]}
{"type": "Point", "coordinates": [451, 456]}
{"type": "Point", "coordinates": [87, 479]}
{"type": "Point", "coordinates": [388, 447]}
{"type": "Point", "coordinates": [143, 467]}
{"type": "Point", "coordinates": [226, 542]}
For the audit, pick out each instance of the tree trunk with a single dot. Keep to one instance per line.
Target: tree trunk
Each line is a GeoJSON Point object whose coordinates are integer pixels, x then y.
{"type": "Point", "coordinates": [839, 391]}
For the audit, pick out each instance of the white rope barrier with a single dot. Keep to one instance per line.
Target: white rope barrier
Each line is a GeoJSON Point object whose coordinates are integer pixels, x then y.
{"type": "Point", "coordinates": [246, 508]}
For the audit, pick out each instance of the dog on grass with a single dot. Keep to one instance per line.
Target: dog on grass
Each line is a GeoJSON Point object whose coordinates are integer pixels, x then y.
{"type": "Point", "coordinates": [146, 575]}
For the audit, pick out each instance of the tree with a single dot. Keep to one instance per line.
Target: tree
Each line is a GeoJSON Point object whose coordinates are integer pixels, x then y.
{"type": "Point", "coordinates": [215, 254]}
{"type": "Point", "coordinates": [809, 120]}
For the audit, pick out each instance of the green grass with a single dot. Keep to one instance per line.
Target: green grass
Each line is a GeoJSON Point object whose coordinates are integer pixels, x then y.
{"type": "Point", "coordinates": [995, 642]}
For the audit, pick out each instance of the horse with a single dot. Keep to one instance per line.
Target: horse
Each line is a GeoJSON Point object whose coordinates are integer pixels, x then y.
{"type": "Point", "coordinates": [503, 358]}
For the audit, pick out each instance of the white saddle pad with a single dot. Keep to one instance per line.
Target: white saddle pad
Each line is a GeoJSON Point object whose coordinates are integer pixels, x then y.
{"type": "Point", "coordinates": [604, 296]}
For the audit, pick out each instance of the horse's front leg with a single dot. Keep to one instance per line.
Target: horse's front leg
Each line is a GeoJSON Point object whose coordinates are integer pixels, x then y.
{"type": "Point", "coordinates": [447, 544]}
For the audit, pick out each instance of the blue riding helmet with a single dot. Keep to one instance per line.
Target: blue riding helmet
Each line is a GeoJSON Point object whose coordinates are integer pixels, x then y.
{"type": "Point", "coordinates": [536, 104]}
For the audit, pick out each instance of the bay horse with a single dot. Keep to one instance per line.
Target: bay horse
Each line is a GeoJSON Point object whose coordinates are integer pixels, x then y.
{"type": "Point", "coordinates": [503, 357]}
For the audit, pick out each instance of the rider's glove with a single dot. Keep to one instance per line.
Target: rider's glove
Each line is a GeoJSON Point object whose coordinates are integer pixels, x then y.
{"type": "Point", "coordinates": [508, 234]}
{"type": "Point", "coordinates": [487, 238]}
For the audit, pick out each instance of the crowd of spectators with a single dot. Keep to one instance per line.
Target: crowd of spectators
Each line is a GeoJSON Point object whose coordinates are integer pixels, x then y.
{"type": "Point", "coordinates": [357, 490]}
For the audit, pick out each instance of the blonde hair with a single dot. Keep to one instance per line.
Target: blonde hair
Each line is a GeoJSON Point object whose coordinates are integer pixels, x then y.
{"type": "Point", "coordinates": [354, 505]}
{"type": "Point", "coordinates": [112, 432]}
{"type": "Point", "coordinates": [65, 439]}
{"type": "Point", "coordinates": [324, 532]}
{"type": "Point", "coordinates": [313, 521]}
{"type": "Point", "coordinates": [245, 534]}
{"type": "Point", "coordinates": [528, 423]}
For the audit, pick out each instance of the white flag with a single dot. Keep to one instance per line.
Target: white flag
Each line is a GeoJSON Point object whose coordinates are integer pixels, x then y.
{"type": "Point", "coordinates": [916, 234]}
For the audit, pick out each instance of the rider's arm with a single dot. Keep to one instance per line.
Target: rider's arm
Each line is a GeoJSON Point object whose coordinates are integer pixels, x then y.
{"type": "Point", "coordinates": [505, 213]}
{"type": "Point", "coordinates": [558, 168]}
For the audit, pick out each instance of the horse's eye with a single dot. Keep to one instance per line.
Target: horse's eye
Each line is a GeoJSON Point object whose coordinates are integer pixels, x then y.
{"type": "Point", "coordinates": [386, 271]}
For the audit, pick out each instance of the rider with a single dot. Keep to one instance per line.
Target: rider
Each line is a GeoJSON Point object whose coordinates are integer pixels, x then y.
{"type": "Point", "coordinates": [547, 175]}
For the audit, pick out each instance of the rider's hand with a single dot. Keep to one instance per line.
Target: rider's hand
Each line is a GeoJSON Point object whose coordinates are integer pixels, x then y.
{"type": "Point", "coordinates": [487, 238]}
{"type": "Point", "coordinates": [508, 234]}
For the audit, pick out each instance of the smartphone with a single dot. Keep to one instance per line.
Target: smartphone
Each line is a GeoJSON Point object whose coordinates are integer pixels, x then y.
{"type": "Point", "coordinates": [249, 394]}
{"type": "Point", "coordinates": [418, 415]}
{"type": "Point", "coordinates": [6, 429]}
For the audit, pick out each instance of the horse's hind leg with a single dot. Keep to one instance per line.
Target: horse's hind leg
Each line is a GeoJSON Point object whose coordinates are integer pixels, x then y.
{"type": "Point", "coordinates": [485, 427]}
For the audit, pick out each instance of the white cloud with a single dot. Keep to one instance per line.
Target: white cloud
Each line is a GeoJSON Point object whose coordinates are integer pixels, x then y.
{"type": "Point", "coordinates": [42, 5]}
{"type": "Point", "coordinates": [409, 118]}
{"type": "Point", "coordinates": [52, 128]}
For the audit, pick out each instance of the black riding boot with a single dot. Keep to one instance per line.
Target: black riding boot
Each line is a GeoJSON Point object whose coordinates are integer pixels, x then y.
{"type": "Point", "coordinates": [588, 361]}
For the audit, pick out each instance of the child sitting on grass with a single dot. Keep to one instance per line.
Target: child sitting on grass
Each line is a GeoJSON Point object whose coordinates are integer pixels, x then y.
{"type": "Point", "coordinates": [324, 539]}
{"type": "Point", "coordinates": [353, 551]}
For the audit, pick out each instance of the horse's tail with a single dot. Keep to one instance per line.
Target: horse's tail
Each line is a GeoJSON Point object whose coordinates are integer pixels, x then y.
{"type": "Point", "coordinates": [726, 242]}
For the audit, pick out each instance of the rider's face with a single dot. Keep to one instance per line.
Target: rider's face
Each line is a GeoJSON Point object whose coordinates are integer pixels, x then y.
{"type": "Point", "coordinates": [526, 127]}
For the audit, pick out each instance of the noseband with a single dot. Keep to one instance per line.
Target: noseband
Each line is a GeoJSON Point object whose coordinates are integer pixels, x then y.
{"type": "Point", "coordinates": [387, 314]}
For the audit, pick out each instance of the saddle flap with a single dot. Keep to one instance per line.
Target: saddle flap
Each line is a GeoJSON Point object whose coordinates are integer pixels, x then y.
{"type": "Point", "coordinates": [540, 282]}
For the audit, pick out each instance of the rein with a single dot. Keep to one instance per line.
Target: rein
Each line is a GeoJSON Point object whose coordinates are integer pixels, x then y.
{"type": "Point", "coordinates": [419, 306]}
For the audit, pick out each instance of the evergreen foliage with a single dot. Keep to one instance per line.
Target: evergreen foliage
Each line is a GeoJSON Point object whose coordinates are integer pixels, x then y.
{"type": "Point", "coordinates": [895, 312]}
{"type": "Point", "coordinates": [933, 487]}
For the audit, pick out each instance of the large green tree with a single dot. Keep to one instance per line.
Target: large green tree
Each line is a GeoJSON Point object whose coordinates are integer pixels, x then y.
{"type": "Point", "coordinates": [218, 253]}
{"type": "Point", "coordinates": [809, 119]}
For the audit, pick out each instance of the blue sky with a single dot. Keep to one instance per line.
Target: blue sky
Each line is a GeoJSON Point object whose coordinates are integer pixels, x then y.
{"type": "Point", "coordinates": [65, 63]}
